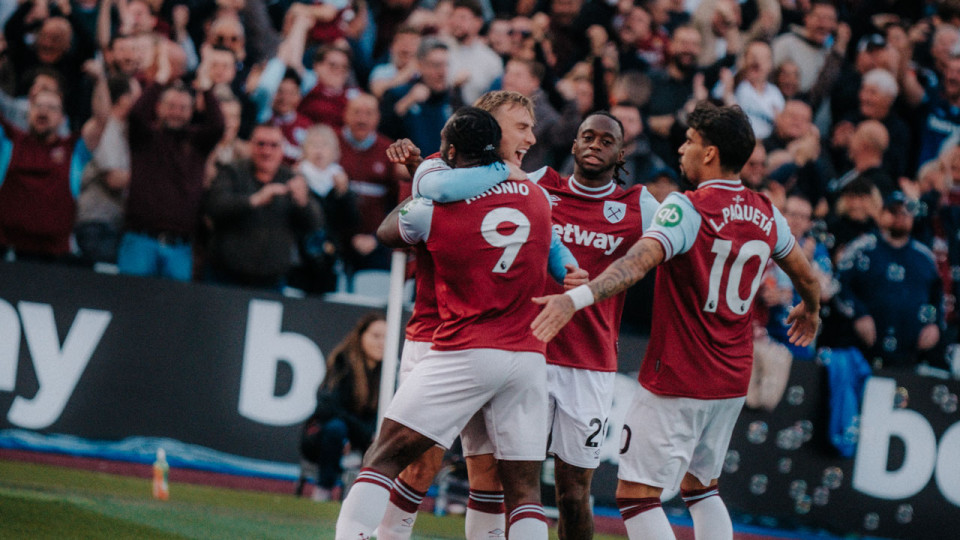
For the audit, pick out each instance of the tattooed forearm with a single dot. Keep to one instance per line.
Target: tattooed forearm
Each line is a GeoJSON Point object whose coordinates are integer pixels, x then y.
{"type": "Point", "coordinates": [627, 270]}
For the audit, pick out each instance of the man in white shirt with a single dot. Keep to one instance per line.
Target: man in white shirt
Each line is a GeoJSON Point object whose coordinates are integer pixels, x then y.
{"type": "Point", "coordinates": [472, 61]}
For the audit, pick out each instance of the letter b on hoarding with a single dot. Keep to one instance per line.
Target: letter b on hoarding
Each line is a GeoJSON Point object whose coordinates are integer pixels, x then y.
{"type": "Point", "coordinates": [880, 421]}
{"type": "Point", "coordinates": [266, 345]}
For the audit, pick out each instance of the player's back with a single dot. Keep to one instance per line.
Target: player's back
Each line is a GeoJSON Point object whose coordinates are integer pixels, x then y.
{"type": "Point", "coordinates": [702, 338]}
{"type": "Point", "coordinates": [490, 259]}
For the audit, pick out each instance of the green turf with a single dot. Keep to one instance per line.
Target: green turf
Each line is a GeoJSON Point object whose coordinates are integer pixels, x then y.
{"type": "Point", "coordinates": [42, 501]}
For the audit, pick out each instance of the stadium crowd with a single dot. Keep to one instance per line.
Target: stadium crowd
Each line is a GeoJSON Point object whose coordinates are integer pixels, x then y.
{"type": "Point", "coordinates": [244, 141]}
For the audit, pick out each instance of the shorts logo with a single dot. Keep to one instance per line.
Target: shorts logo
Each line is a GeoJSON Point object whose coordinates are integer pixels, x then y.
{"type": "Point", "coordinates": [668, 215]}
{"type": "Point", "coordinates": [614, 211]}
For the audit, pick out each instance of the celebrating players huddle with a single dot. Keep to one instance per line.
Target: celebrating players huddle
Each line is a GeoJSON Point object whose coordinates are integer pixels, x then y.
{"type": "Point", "coordinates": [484, 361]}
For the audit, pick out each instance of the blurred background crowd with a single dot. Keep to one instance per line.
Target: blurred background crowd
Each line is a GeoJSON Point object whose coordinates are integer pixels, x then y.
{"type": "Point", "coordinates": [243, 141]}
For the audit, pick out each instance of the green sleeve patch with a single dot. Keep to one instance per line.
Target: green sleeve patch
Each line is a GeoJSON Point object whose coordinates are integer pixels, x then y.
{"type": "Point", "coordinates": [668, 215]}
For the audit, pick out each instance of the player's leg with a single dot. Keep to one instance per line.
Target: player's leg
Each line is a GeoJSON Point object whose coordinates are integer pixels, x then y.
{"type": "Point", "coordinates": [643, 516]}
{"type": "Point", "coordinates": [363, 509]}
{"type": "Point", "coordinates": [431, 407]}
{"type": "Point", "coordinates": [407, 493]}
{"type": "Point", "coordinates": [486, 516]}
{"type": "Point", "coordinates": [521, 489]}
{"type": "Point", "coordinates": [516, 421]}
{"type": "Point", "coordinates": [573, 501]}
{"type": "Point", "coordinates": [580, 403]}
{"type": "Point", "coordinates": [658, 439]}
{"type": "Point", "coordinates": [711, 520]}
{"type": "Point", "coordinates": [699, 488]}
{"type": "Point", "coordinates": [486, 513]}
{"type": "Point", "coordinates": [413, 482]}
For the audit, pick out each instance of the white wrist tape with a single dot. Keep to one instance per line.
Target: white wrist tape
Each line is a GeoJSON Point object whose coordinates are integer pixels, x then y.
{"type": "Point", "coordinates": [582, 297]}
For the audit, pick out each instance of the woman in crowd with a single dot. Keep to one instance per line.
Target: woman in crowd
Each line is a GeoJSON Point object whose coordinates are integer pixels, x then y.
{"type": "Point", "coordinates": [346, 415]}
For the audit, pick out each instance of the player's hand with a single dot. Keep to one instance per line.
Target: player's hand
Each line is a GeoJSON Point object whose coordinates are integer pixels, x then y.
{"type": "Point", "coordinates": [575, 277]}
{"type": "Point", "coordinates": [403, 152]}
{"type": "Point", "coordinates": [557, 312]}
{"type": "Point", "coordinates": [803, 325]}
{"type": "Point", "coordinates": [516, 173]}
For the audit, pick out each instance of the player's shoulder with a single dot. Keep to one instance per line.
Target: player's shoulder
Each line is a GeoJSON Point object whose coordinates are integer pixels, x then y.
{"type": "Point", "coordinates": [431, 164]}
{"type": "Point", "coordinates": [546, 176]}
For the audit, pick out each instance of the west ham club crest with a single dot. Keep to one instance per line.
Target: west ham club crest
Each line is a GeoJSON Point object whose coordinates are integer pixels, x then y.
{"type": "Point", "coordinates": [614, 211]}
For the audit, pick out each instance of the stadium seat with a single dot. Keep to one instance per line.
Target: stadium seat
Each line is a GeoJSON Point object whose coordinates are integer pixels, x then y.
{"type": "Point", "coordinates": [375, 283]}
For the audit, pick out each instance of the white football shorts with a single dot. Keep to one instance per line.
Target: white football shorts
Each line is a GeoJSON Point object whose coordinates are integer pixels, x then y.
{"type": "Point", "coordinates": [413, 352]}
{"type": "Point", "coordinates": [444, 390]}
{"type": "Point", "coordinates": [473, 437]}
{"type": "Point", "coordinates": [579, 406]}
{"type": "Point", "coordinates": [664, 437]}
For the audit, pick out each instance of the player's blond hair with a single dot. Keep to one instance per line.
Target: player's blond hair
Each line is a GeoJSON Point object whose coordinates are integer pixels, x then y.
{"type": "Point", "coordinates": [492, 101]}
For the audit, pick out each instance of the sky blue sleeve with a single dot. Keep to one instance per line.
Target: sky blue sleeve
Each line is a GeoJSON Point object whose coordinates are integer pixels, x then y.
{"type": "Point", "coordinates": [266, 89]}
{"type": "Point", "coordinates": [81, 156]}
{"type": "Point", "coordinates": [447, 185]}
{"type": "Point", "coordinates": [676, 224]}
{"type": "Point", "coordinates": [560, 256]}
{"type": "Point", "coordinates": [6, 154]}
{"type": "Point", "coordinates": [785, 239]}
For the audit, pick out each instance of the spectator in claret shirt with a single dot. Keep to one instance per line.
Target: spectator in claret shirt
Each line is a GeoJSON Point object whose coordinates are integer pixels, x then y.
{"type": "Point", "coordinates": [325, 103]}
{"type": "Point", "coordinates": [373, 179]}
{"type": "Point", "coordinates": [163, 204]}
{"type": "Point", "coordinates": [42, 180]}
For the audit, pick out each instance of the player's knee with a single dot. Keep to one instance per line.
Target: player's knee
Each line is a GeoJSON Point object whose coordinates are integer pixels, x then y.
{"type": "Point", "coordinates": [692, 483]}
{"type": "Point", "coordinates": [421, 472]}
{"type": "Point", "coordinates": [573, 494]}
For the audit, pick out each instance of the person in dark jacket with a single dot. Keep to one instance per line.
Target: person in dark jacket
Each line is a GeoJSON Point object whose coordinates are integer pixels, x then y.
{"type": "Point", "coordinates": [346, 415]}
{"type": "Point", "coordinates": [260, 209]}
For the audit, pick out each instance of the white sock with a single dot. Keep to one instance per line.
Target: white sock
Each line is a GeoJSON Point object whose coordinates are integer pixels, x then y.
{"type": "Point", "coordinates": [364, 506]}
{"type": "Point", "coordinates": [711, 520]}
{"type": "Point", "coordinates": [401, 512]}
{"type": "Point", "coordinates": [644, 518]}
{"type": "Point", "coordinates": [485, 515]}
{"type": "Point", "coordinates": [528, 521]}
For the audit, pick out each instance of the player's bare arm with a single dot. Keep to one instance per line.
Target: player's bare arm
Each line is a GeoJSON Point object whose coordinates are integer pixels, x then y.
{"type": "Point", "coordinates": [804, 318]}
{"type": "Point", "coordinates": [389, 231]}
{"type": "Point", "coordinates": [620, 275]}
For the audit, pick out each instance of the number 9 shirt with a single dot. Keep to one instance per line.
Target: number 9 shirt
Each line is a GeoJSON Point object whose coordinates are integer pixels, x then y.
{"type": "Point", "coordinates": [490, 258]}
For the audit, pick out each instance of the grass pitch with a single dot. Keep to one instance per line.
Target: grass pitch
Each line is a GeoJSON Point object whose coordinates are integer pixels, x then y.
{"type": "Point", "coordinates": [43, 501]}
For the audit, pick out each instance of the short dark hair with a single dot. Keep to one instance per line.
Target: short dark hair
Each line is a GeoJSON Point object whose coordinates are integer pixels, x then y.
{"type": "Point", "coordinates": [727, 128]}
{"type": "Point", "coordinates": [292, 75]}
{"type": "Point", "coordinates": [428, 45]}
{"type": "Point", "coordinates": [475, 134]}
{"type": "Point", "coordinates": [473, 5]}
{"type": "Point", "coordinates": [609, 115]}
{"type": "Point", "coordinates": [321, 54]}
